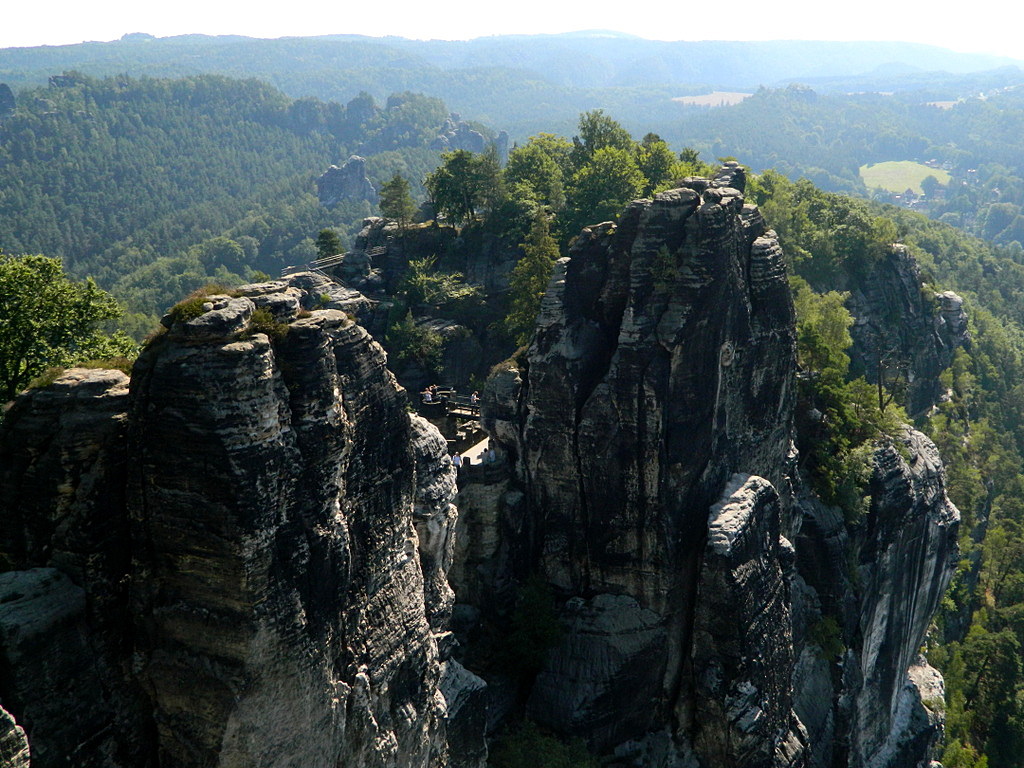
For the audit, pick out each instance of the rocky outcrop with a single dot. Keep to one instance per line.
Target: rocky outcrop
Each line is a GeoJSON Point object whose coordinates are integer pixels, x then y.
{"type": "Point", "coordinates": [13, 744]}
{"type": "Point", "coordinates": [381, 254]}
{"type": "Point", "coordinates": [904, 330]}
{"type": "Point", "coordinates": [7, 102]}
{"type": "Point", "coordinates": [65, 549]}
{"type": "Point", "coordinates": [662, 366]}
{"type": "Point", "coordinates": [907, 554]}
{"type": "Point", "coordinates": [743, 644]}
{"type": "Point", "coordinates": [714, 613]}
{"type": "Point", "coordinates": [348, 182]}
{"type": "Point", "coordinates": [457, 134]}
{"type": "Point", "coordinates": [287, 531]}
{"type": "Point", "coordinates": [864, 596]}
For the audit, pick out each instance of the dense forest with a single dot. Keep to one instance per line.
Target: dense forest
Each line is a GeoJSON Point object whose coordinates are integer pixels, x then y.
{"type": "Point", "coordinates": [818, 110]}
{"type": "Point", "coordinates": [529, 84]}
{"type": "Point", "coordinates": [156, 186]}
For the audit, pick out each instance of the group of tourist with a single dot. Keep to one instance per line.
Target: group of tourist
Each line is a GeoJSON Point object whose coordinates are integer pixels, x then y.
{"type": "Point", "coordinates": [433, 394]}
{"type": "Point", "coordinates": [488, 457]}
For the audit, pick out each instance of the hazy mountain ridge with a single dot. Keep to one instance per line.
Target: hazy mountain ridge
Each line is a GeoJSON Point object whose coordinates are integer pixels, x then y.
{"type": "Point", "coordinates": [497, 79]}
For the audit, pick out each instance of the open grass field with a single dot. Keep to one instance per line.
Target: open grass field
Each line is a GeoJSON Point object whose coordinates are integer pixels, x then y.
{"type": "Point", "coordinates": [716, 99]}
{"type": "Point", "coordinates": [900, 175]}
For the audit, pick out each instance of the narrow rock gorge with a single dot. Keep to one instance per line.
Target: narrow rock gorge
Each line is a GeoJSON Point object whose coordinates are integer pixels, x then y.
{"type": "Point", "coordinates": [252, 553]}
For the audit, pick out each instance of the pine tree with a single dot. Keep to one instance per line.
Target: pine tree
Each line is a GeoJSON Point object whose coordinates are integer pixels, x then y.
{"type": "Point", "coordinates": [396, 202]}
{"type": "Point", "coordinates": [529, 280]}
{"type": "Point", "coordinates": [328, 243]}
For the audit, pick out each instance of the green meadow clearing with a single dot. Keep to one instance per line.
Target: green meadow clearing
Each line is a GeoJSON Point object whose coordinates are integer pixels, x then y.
{"type": "Point", "coordinates": [900, 175]}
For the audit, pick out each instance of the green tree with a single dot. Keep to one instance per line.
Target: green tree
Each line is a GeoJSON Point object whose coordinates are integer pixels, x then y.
{"type": "Point", "coordinates": [655, 161]}
{"type": "Point", "coordinates": [415, 343]}
{"type": "Point", "coordinates": [529, 280]}
{"type": "Point", "coordinates": [558, 148]}
{"type": "Point", "coordinates": [222, 252]}
{"type": "Point", "coordinates": [598, 131]}
{"type": "Point", "coordinates": [47, 319]}
{"type": "Point", "coordinates": [328, 243]}
{"type": "Point", "coordinates": [396, 202]}
{"type": "Point", "coordinates": [823, 329]}
{"type": "Point", "coordinates": [532, 173]}
{"type": "Point", "coordinates": [929, 186]}
{"type": "Point", "coordinates": [601, 188]}
{"type": "Point", "coordinates": [422, 284]}
{"type": "Point", "coordinates": [464, 183]}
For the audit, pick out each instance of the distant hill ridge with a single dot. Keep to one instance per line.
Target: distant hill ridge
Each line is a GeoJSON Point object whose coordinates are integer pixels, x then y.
{"type": "Point", "coordinates": [580, 59]}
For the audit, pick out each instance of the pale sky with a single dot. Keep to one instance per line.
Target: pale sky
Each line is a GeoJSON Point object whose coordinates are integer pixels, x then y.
{"type": "Point", "coordinates": [58, 22]}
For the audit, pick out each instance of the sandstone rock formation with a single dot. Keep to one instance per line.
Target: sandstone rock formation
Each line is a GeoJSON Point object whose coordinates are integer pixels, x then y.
{"type": "Point", "coordinates": [273, 591]}
{"type": "Point", "coordinates": [347, 182]}
{"type": "Point", "coordinates": [904, 330]}
{"type": "Point", "coordinates": [13, 744]}
{"type": "Point", "coordinates": [867, 593]}
{"type": "Point", "coordinates": [649, 432]}
{"type": "Point", "coordinates": [456, 134]}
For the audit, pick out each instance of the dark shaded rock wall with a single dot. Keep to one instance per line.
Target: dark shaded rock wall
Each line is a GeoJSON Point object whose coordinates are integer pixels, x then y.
{"type": "Point", "coordinates": [900, 327]}
{"type": "Point", "coordinates": [649, 432]}
{"type": "Point", "coordinates": [285, 529]}
{"type": "Point", "coordinates": [662, 366]}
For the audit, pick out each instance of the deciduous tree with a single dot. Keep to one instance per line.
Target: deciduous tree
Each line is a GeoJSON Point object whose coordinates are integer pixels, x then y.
{"type": "Point", "coordinates": [464, 183]}
{"type": "Point", "coordinates": [47, 319]}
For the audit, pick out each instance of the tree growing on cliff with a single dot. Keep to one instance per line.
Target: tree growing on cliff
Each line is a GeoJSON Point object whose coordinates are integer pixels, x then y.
{"type": "Point", "coordinates": [534, 174]}
{"type": "Point", "coordinates": [529, 280]}
{"type": "Point", "coordinates": [600, 189]}
{"type": "Point", "coordinates": [47, 319]}
{"type": "Point", "coordinates": [655, 161]}
{"type": "Point", "coordinates": [396, 202]}
{"type": "Point", "coordinates": [464, 183]}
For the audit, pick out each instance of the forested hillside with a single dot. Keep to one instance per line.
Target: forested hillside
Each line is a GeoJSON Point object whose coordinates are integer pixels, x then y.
{"type": "Point", "coordinates": [153, 186]}
{"type": "Point", "coordinates": [523, 84]}
{"type": "Point", "coordinates": [828, 137]}
{"type": "Point", "coordinates": [870, 103]}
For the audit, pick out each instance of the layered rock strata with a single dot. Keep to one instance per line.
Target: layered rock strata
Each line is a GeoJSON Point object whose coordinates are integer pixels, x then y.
{"type": "Point", "coordinates": [649, 432]}
{"type": "Point", "coordinates": [662, 367]}
{"type": "Point", "coordinates": [863, 599]}
{"type": "Point", "coordinates": [285, 529]}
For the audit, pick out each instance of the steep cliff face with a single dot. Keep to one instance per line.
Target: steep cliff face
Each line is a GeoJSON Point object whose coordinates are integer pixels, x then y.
{"type": "Point", "coordinates": [901, 329]}
{"type": "Point", "coordinates": [662, 367]}
{"type": "Point", "coordinates": [650, 434]}
{"type": "Point", "coordinates": [863, 598]}
{"type": "Point", "coordinates": [347, 182]}
{"type": "Point", "coordinates": [287, 533]}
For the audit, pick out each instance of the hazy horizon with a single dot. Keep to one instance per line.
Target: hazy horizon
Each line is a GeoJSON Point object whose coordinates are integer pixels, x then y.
{"type": "Point", "coordinates": [67, 23]}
